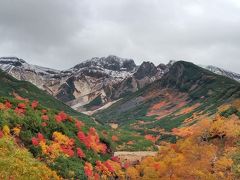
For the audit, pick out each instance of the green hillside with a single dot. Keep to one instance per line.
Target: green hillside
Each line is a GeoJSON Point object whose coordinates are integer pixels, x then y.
{"type": "Point", "coordinates": [63, 142]}
{"type": "Point", "coordinates": [187, 90]}
{"type": "Point", "coordinates": [9, 84]}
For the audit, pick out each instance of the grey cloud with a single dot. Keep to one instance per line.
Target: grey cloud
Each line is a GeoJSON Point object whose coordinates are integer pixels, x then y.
{"type": "Point", "coordinates": [61, 33]}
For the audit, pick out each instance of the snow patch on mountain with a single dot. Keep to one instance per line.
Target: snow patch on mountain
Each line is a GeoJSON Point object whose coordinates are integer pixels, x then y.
{"type": "Point", "coordinates": [9, 63]}
{"type": "Point", "coordinates": [223, 72]}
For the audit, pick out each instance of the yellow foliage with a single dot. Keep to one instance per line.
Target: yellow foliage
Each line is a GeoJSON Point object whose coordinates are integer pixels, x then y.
{"type": "Point", "coordinates": [62, 139]}
{"type": "Point", "coordinates": [16, 131]}
{"type": "Point", "coordinates": [223, 163]}
{"type": "Point", "coordinates": [132, 173]}
{"type": "Point", "coordinates": [59, 137]}
{"type": "Point", "coordinates": [18, 163]}
{"type": "Point", "coordinates": [204, 153]}
{"type": "Point", "coordinates": [6, 130]}
{"type": "Point", "coordinates": [52, 151]}
{"type": "Point", "coordinates": [53, 148]}
{"type": "Point", "coordinates": [117, 168]}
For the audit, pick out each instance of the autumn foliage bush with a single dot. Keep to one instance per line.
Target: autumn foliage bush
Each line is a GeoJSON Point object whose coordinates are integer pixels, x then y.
{"type": "Point", "coordinates": [206, 150]}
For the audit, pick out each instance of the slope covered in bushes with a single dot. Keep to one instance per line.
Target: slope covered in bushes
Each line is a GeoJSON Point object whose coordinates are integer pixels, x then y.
{"type": "Point", "coordinates": [63, 142]}
{"type": "Point", "coordinates": [208, 149]}
{"type": "Point", "coordinates": [9, 85]}
{"type": "Point", "coordinates": [18, 163]}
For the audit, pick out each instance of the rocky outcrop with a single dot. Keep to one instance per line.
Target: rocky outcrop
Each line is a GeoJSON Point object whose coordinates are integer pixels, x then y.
{"type": "Point", "coordinates": [146, 69]}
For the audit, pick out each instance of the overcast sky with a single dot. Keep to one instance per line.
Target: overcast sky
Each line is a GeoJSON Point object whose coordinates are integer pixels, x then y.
{"type": "Point", "coordinates": [62, 33]}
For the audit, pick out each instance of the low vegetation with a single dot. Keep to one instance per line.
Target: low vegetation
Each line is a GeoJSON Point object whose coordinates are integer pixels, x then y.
{"type": "Point", "coordinates": [64, 143]}
{"type": "Point", "coordinates": [18, 163]}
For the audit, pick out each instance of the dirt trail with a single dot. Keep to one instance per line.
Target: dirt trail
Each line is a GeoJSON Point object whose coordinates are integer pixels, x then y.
{"type": "Point", "coordinates": [133, 157]}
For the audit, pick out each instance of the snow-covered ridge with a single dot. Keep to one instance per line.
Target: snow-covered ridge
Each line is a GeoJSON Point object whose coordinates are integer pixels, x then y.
{"type": "Point", "coordinates": [108, 61]}
{"type": "Point", "coordinates": [223, 72]}
{"type": "Point", "coordinates": [9, 63]}
{"type": "Point", "coordinates": [111, 66]}
{"type": "Point", "coordinates": [11, 59]}
{"type": "Point", "coordinates": [112, 63]}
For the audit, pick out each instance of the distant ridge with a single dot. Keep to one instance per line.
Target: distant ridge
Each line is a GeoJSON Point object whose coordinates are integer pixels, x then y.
{"type": "Point", "coordinates": [95, 82]}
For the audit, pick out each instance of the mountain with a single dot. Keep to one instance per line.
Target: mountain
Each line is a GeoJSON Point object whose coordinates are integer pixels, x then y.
{"type": "Point", "coordinates": [90, 84]}
{"type": "Point", "coordinates": [63, 139]}
{"type": "Point", "coordinates": [96, 83]}
{"type": "Point", "coordinates": [223, 72]}
{"type": "Point", "coordinates": [186, 91]}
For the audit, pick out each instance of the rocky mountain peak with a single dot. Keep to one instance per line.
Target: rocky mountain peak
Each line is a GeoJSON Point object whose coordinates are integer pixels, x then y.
{"type": "Point", "coordinates": [14, 61]}
{"type": "Point", "coordinates": [111, 62]}
{"type": "Point", "coordinates": [20, 69]}
{"type": "Point", "coordinates": [162, 66]}
{"type": "Point", "coordinates": [146, 69]}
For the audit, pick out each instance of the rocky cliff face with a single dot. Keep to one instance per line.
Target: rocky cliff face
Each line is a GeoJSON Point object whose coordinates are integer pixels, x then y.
{"type": "Point", "coordinates": [145, 74]}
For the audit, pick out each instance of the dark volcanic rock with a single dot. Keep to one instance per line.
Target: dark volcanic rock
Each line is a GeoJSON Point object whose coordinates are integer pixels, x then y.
{"type": "Point", "coordinates": [162, 66]}
{"type": "Point", "coordinates": [113, 63]}
{"type": "Point", "coordinates": [129, 65]}
{"type": "Point", "coordinates": [66, 90]}
{"type": "Point", "coordinates": [145, 69]}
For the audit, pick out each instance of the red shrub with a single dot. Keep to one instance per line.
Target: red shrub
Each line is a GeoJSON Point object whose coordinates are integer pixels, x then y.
{"type": "Point", "coordinates": [34, 104]}
{"type": "Point", "coordinates": [8, 105]}
{"type": "Point", "coordinates": [68, 151]}
{"type": "Point", "coordinates": [45, 117]}
{"type": "Point", "coordinates": [44, 124]}
{"type": "Point", "coordinates": [22, 105]}
{"type": "Point", "coordinates": [44, 111]}
{"type": "Point", "coordinates": [88, 169]}
{"type": "Point", "coordinates": [80, 153]}
{"type": "Point", "coordinates": [115, 158]}
{"type": "Point", "coordinates": [35, 141]}
{"type": "Point", "coordinates": [79, 124]}
{"type": "Point", "coordinates": [19, 111]}
{"type": "Point", "coordinates": [41, 137]}
{"type": "Point", "coordinates": [81, 136]}
{"type": "Point", "coordinates": [1, 134]}
{"type": "Point", "coordinates": [58, 118]}
{"type": "Point", "coordinates": [115, 138]}
{"type": "Point", "coordinates": [108, 165]}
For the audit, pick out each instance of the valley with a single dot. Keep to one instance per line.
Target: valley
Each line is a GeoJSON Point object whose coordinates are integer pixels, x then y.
{"type": "Point", "coordinates": [184, 94]}
{"type": "Point", "coordinates": [109, 118]}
